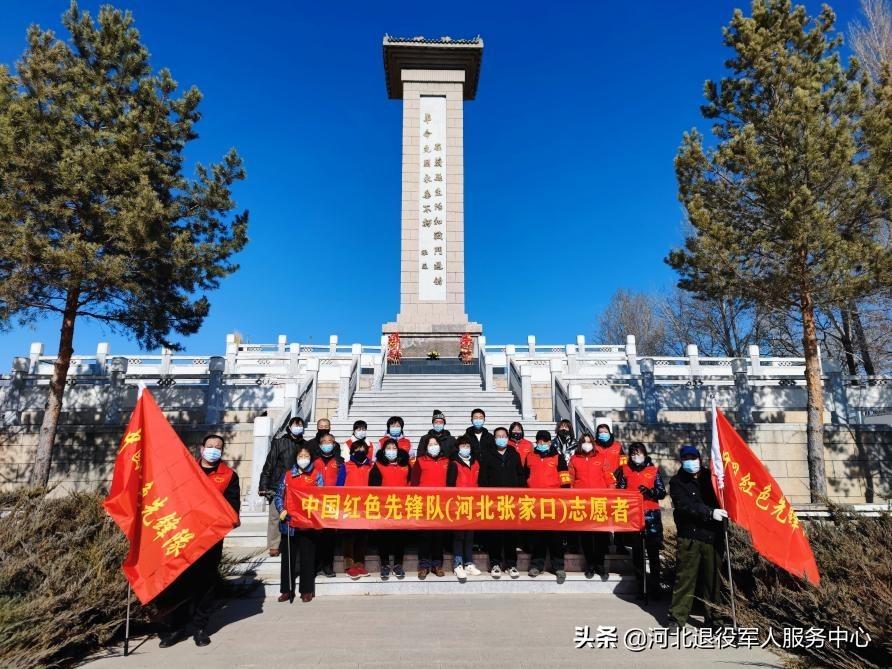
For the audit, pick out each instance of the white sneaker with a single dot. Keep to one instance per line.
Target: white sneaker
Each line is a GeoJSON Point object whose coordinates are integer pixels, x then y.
{"type": "Point", "coordinates": [513, 573]}
{"type": "Point", "coordinates": [496, 572]}
{"type": "Point", "coordinates": [472, 570]}
{"type": "Point", "coordinates": [459, 572]}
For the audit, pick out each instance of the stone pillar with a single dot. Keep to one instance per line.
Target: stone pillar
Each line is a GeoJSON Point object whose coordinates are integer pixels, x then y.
{"type": "Point", "coordinates": [214, 398]}
{"type": "Point", "coordinates": [34, 357]}
{"type": "Point", "coordinates": [102, 349]}
{"type": "Point", "coordinates": [835, 387]}
{"type": "Point", "coordinates": [262, 435]}
{"type": "Point", "coordinates": [649, 391]}
{"type": "Point", "coordinates": [231, 353]}
{"type": "Point", "coordinates": [343, 392]}
{"type": "Point", "coordinates": [755, 364]}
{"type": "Point", "coordinates": [117, 389]}
{"type": "Point", "coordinates": [526, 393]}
{"type": "Point", "coordinates": [282, 344]}
{"type": "Point", "coordinates": [743, 392]}
{"type": "Point", "coordinates": [632, 355]}
{"type": "Point", "coordinates": [531, 343]}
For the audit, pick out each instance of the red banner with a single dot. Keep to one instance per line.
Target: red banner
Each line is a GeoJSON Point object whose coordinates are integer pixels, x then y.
{"type": "Point", "coordinates": [469, 509]}
{"type": "Point", "coordinates": [167, 507]}
{"type": "Point", "coordinates": [755, 501]}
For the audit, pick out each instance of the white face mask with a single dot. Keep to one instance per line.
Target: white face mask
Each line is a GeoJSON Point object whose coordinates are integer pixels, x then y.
{"type": "Point", "coordinates": [433, 450]}
{"type": "Point", "coordinates": [359, 434]}
{"type": "Point", "coordinates": [638, 459]}
{"type": "Point", "coordinates": [296, 430]}
{"type": "Point", "coordinates": [303, 463]}
{"type": "Point", "coordinates": [465, 451]}
{"type": "Point", "coordinates": [586, 446]}
{"type": "Point", "coordinates": [211, 454]}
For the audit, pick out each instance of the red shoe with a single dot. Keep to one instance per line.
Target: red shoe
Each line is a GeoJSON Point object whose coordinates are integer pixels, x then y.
{"type": "Point", "coordinates": [352, 572]}
{"type": "Point", "coordinates": [307, 597]}
{"type": "Point", "coordinates": [361, 570]}
{"type": "Point", "coordinates": [285, 596]}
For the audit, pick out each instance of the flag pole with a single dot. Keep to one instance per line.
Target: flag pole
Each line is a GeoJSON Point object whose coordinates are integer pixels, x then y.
{"type": "Point", "coordinates": [290, 572]}
{"type": "Point", "coordinates": [127, 623]}
{"type": "Point", "coordinates": [644, 565]}
{"type": "Point", "coordinates": [719, 472]}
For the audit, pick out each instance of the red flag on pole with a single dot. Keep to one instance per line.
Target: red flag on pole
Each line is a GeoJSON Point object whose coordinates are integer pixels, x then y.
{"type": "Point", "coordinates": [754, 500]}
{"type": "Point", "coordinates": [162, 501]}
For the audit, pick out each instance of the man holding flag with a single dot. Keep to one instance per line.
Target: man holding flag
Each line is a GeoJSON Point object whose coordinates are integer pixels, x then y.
{"type": "Point", "coordinates": [171, 510]}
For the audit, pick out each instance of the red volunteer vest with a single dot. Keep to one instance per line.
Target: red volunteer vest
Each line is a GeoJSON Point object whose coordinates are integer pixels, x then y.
{"type": "Point", "coordinates": [433, 472]}
{"type": "Point", "coordinates": [221, 476]}
{"type": "Point", "coordinates": [523, 447]}
{"type": "Point", "coordinates": [466, 477]}
{"type": "Point", "coordinates": [328, 467]}
{"type": "Point", "coordinates": [543, 471]}
{"type": "Point", "coordinates": [394, 475]}
{"type": "Point", "coordinates": [292, 485]}
{"type": "Point", "coordinates": [357, 474]}
{"type": "Point", "coordinates": [645, 477]}
{"type": "Point", "coordinates": [589, 471]}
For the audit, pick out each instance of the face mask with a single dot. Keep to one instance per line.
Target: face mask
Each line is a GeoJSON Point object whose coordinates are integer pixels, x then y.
{"type": "Point", "coordinates": [296, 430]}
{"type": "Point", "coordinates": [517, 436]}
{"type": "Point", "coordinates": [477, 423]}
{"type": "Point", "coordinates": [358, 456]}
{"type": "Point", "coordinates": [564, 433]}
{"type": "Point", "coordinates": [501, 442]}
{"type": "Point", "coordinates": [691, 466]}
{"type": "Point", "coordinates": [587, 446]}
{"type": "Point", "coordinates": [433, 450]}
{"type": "Point", "coordinates": [638, 459]}
{"type": "Point", "coordinates": [438, 427]}
{"type": "Point", "coordinates": [390, 454]}
{"type": "Point", "coordinates": [603, 437]}
{"type": "Point", "coordinates": [326, 448]}
{"type": "Point", "coordinates": [542, 448]}
{"type": "Point", "coordinates": [395, 431]}
{"type": "Point", "coordinates": [212, 454]}
{"type": "Point", "coordinates": [465, 452]}
{"type": "Point", "coordinates": [359, 434]}
{"type": "Point", "coordinates": [303, 463]}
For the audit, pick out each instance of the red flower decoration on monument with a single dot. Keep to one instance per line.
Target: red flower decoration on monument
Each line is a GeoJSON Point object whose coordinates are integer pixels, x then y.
{"type": "Point", "coordinates": [466, 349]}
{"type": "Point", "coordinates": [394, 350]}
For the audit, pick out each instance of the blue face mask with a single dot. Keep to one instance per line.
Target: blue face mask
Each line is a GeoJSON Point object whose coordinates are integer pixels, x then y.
{"type": "Point", "coordinates": [212, 454]}
{"type": "Point", "coordinates": [464, 451]}
{"type": "Point", "coordinates": [438, 427]}
{"type": "Point", "coordinates": [501, 442]}
{"type": "Point", "coordinates": [390, 455]}
{"type": "Point", "coordinates": [326, 448]}
{"type": "Point", "coordinates": [395, 431]}
{"type": "Point", "coordinates": [542, 448]}
{"type": "Point", "coordinates": [603, 437]}
{"type": "Point", "coordinates": [359, 434]}
{"type": "Point", "coordinates": [477, 422]}
{"type": "Point", "coordinates": [691, 466]}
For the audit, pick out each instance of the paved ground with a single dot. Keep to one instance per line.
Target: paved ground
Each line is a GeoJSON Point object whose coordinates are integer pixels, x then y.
{"type": "Point", "coordinates": [403, 631]}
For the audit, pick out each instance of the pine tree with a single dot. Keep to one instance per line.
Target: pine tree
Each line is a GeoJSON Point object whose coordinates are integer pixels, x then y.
{"type": "Point", "coordinates": [787, 203]}
{"type": "Point", "coordinates": [98, 219]}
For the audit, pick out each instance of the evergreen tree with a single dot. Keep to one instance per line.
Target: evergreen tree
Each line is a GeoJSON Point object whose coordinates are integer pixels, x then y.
{"type": "Point", "coordinates": [99, 220]}
{"type": "Point", "coordinates": [788, 202]}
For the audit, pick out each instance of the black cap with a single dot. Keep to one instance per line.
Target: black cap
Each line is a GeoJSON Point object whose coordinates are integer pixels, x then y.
{"type": "Point", "coordinates": [438, 415]}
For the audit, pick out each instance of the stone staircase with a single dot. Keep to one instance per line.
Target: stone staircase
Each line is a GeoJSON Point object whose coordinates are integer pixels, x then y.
{"type": "Point", "coordinates": [414, 396]}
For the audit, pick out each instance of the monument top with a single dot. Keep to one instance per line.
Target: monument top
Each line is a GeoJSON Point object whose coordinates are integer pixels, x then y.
{"type": "Point", "coordinates": [420, 53]}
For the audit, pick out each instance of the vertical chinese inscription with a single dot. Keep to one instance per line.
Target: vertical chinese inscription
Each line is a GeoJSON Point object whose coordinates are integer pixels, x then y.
{"type": "Point", "coordinates": [432, 199]}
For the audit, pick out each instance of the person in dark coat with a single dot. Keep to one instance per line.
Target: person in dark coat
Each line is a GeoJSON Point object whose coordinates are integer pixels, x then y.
{"type": "Point", "coordinates": [279, 459]}
{"type": "Point", "coordinates": [481, 439]}
{"type": "Point", "coordinates": [189, 599]}
{"type": "Point", "coordinates": [698, 523]}
{"type": "Point", "coordinates": [640, 474]}
{"type": "Point", "coordinates": [323, 427]}
{"type": "Point", "coordinates": [438, 430]}
{"type": "Point", "coordinates": [500, 467]}
{"type": "Point", "coordinates": [563, 440]}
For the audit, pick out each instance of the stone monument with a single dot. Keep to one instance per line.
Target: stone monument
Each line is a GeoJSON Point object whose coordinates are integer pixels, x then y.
{"type": "Point", "coordinates": [433, 78]}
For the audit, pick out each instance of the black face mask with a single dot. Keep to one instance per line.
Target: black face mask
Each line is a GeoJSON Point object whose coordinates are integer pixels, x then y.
{"type": "Point", "coordinates": [359, 456]}
{"type": "Point", "coordinates": [517, 436]}
{"type": "Point", "coordinates": [563, 434]}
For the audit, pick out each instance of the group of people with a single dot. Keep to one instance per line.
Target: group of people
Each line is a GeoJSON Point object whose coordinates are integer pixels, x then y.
{"type": "Point", "coordinates": [503, 458]}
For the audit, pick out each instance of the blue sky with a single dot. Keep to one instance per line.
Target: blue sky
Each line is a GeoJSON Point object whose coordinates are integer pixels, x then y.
{"type": "Point", "coordinates": [569, 187]}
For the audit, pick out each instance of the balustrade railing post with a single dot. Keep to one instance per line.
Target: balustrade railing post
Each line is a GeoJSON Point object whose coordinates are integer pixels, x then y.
{"type": "Point", "coordinates": [102, 349]}
{"type": "Point", "coordinates": [231, 353]}
{"type": "Point", "coordinates": [117, 389]}
{"type": "Point", "coordinates": [214, 398]}
{"type": "Point", "coordinates": [649, 391]}
{"type": "Point", "coordinates": [261, 443]}
{"type": "Point", "coordinates": [742, 391]}
{"type": "Point", "coordinates": [632, 355]}
{"type": "Point", "coordinates": [34, 357]}
{"type": "Point", "coordinates": [526, 394]}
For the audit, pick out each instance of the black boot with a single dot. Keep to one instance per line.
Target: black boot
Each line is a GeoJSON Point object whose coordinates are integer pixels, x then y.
{"type": "Point", "coordinates": [201, 638]}
{"type": "Point", "coordinates": [171, 638]}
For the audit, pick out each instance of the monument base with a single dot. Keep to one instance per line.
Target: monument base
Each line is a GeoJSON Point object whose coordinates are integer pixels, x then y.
{"type": "Point", "coordinates": [417, 341]}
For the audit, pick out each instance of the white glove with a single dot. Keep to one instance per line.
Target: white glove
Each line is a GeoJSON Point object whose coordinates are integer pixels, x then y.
{"type": "Point", "coordinates": [719, 514]}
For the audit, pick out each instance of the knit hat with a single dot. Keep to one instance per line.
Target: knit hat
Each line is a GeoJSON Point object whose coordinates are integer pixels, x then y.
{"type": "Point", "coordinates": [438, 415]}
{"type": "Point", "coordinates": [687, 450]}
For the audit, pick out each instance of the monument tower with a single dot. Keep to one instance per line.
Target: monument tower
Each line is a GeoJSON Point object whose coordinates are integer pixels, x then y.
{"type": "Point", "coordinates": [433, 78]}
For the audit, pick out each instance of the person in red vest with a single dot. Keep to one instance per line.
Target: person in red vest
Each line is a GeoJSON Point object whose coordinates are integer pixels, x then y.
{"type": "Point", "coordinates": [297, 542]}
{"type": "Point", "coordinates": [193, 591]}
{"type": "Point", "coordinates": [516, 439]}
{"type": "Point", "coordinates": [429, 471]}
{"type": "Point", "coordinates": [331, 465]}
{"type": "Point", "coordinates": [360, 431]}
{"type": "Point", "coordinates": [642, 475]}
{"type": "Point", "coordinates": [357, 470]}
{"type": "Point", "coordinates": [589, 471]}
{"type": "Point", "coordinates": [395, 425]}
{"type": "Point", "coordinates": [609, 449]}
{"type": "Point", "coordinates": [391, 470]}
{"type": "Point", "coordinates": [546, 468]}
{"type": "Point", "coordinates": [463, 472]}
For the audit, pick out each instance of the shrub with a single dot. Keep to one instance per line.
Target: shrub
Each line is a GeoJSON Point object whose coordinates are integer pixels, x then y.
{"type": "Point", "coordinates": [853, 555]}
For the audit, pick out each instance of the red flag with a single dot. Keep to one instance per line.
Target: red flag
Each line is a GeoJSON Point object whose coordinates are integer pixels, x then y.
{"type": "Point", "coordinates": [754, 500]}
{"type": "Point", "coordinates": [163, 502]}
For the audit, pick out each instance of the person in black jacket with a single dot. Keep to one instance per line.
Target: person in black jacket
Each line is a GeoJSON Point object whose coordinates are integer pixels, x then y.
{"type": "Point", "coordinates": [698, 523]}
{"type": "Point", "coordinates": [438, 430]}
{"type": "Point", "coordinates": [323, 427]}
{"type": "Point", "coordinates": [189, 600]}
{"type": "Point", "coordinates": [481, 439]}
{"type": "Point", "coordinates": [500, 467]}
{"type": "Point", "coordinates": [279, 459]}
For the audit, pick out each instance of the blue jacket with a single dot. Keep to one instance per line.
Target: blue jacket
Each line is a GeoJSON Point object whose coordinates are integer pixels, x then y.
{"type": "Point", "coordinates": [279, 499]}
